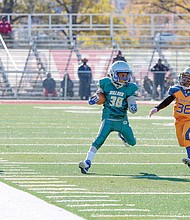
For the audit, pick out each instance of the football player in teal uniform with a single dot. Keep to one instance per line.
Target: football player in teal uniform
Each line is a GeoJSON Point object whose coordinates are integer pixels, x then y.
{"type": "Point", "coordinates": [120, 95]}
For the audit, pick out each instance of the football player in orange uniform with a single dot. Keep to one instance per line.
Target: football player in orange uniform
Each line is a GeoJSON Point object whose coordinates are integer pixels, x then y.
{"type": "Point", "coordinates": [181, 112]}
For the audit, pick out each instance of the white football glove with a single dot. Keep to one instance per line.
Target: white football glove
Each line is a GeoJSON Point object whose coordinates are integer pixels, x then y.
{"type": "Point", "coordinates": [153, 111]}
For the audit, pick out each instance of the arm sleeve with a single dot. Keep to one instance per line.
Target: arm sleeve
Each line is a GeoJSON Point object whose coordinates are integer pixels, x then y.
{"type": "Point", "coordinates": [165, 102]}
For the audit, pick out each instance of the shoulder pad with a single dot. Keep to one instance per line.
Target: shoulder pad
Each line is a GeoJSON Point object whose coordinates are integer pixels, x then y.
{"type": "Point", "coordinates": [103, 81]}
{"type": "Point", "coordinates": [173, 89]}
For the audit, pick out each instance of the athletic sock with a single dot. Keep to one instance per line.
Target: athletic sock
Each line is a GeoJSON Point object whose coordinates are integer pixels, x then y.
{"type": "Point", "coordinates": [188, 151]}
{"type": "Point", "coordinates": [90, 155]}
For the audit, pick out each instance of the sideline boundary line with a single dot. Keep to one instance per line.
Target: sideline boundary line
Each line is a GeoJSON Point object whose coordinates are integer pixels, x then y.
{"type": "Point", "coordinates": [29, 207]}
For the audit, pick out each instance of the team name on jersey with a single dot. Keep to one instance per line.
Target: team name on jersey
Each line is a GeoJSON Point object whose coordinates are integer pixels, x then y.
{"type": "Point", "coordinates": [182, 100]}
{"type": "Point", "coordinates": [116, 93]}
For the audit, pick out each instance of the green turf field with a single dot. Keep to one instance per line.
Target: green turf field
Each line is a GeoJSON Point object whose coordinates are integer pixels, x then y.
{"type": "Point", "coordinates": [41, 145]}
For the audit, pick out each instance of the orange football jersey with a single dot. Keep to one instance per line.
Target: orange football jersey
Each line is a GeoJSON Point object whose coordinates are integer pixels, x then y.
{"type": "Point", "coordinates": [182, 103]}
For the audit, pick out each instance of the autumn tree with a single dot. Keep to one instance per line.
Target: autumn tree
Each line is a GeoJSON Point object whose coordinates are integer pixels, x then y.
{"type": "Point", "coordinates": [168, 14]}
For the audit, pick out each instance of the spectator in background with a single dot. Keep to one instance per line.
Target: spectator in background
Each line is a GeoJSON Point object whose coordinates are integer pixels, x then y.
{"type": "Point", "coordinates": [159, 70]}
{"type": "Point", "coordinates": [148, 85]}
{"type": "Point", "coordinates": [49, 86]}
{"type": "Point", "coordinates": [119, 57]}
{"type": "Point", "coordinates": [169, 81]}
{"type": "Point", "coordinates": [85, 78]}
{"type": "Point", "coordinates": [5, 27]}
{"type": "Point", "coordinates": [69, 85]}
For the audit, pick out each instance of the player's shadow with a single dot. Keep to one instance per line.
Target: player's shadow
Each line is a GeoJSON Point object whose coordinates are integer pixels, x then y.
{"type": "Point", "coordinates": [1, 172]}
{"type": "Point", "coordinates": [144, 176]}
{"type": "Point", "coordinates": [156, 177]}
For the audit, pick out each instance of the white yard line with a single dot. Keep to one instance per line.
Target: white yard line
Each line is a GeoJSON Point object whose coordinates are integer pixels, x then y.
{"type": "Point", "coordinates": [18, 205]}
{"type": "Point", "coordinates": [100, 163]}
{"type": "Point", "coordinates": [58, 153]}
{"type": "Point", "coordinates": [114, 210]}
{"type": "Point", "coordinates": [82, 145]}
{"type": "Point", "coordinates": [36, 177]}
{"type": "Point", "coordinates": [125, 216]}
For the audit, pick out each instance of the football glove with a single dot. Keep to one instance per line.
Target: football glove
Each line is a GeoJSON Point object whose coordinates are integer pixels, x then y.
{"type": "Point", "coordinates": [93, 99]}
{"type": "Point", "coordinates": [132, 106]}
{"type": "Point", "coordinates": [153, 111]}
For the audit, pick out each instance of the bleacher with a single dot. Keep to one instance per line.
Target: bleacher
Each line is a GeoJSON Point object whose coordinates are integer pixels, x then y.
{"type": "Point", "coordinates": [57, 65]}
{"type": "Point", "coordinates": [59, 54]}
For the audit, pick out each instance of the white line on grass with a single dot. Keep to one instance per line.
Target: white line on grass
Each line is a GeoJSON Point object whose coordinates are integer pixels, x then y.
{"type": "Point", "coordinates": [138, 216]}
{"type": "Point", "coordinates": [100, 163]}
{"type": "Point", "coordinates": [114, 210]}
{"type": "Point", "coordinates": [17, 169]}
{"type": "Point", "coordinates": [120, 193]}
{"type": "Point", "coordinates": [10, 165]}
{"type": "Point", "coordinates": [2, 161]}
{"type": "Point", "coordinates": [80, 196]}
{"type": "Point", "coordinates": [18, 205]}
{"type": "Point", "coordinates": [38, 182]}
{"type": "Point", "coordinates": [93, 200]}
{"type": "Point", "coordinates": [108, 153]}
{"type": "Point", "coordinates": [82, 145]}
{"type": "Point", "coordinates": [67, 107]}
{"type": "Point", "coordinates": [80, 138]}
{"type": "Point", "coordinates": [17, 177]}
{"type": "Point", "coordinates": [98, 205]}
{"type": "Point", "coordinates": [45, 185]}
{"type": "Point", "coordinates": [21, 173]}
{"type": "Point", "coordinates": [163, 127]}
{"type": "Point", "coordinates": [56, 189]}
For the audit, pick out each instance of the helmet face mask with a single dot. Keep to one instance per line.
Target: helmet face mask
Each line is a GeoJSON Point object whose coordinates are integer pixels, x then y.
{"type": "Point", "coordinates": [123, 77]}
{"type": "Point", "coordinates": [184, 78]}
{"type": "Point", "coordinates": [120, 73]}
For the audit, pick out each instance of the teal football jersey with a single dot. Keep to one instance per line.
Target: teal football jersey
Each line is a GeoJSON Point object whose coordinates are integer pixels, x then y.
{"type": "Point", "coordinates": [116, 105]}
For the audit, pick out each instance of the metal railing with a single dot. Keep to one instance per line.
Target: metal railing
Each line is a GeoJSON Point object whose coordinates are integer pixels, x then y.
{"type": "Point", "coordinates": [106, 25]}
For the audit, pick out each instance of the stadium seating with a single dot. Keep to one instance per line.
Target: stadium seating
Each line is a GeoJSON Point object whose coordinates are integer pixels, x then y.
{"type": "Point", "coordinates": [59, 54]}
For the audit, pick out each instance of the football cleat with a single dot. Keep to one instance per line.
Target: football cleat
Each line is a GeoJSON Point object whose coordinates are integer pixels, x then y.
{"type": "Point", "coordinates": [123, 139]}
{"type": "Point", "coordinates": [84, 166]}
{"type": "Point", "coordinates": [186, 161]}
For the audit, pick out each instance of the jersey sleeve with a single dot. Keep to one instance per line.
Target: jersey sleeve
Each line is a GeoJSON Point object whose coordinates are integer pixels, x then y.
{"type": "Point", "coordinates": [101, 83]}
{"type": "Point", "coordinates": [134, 89]}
